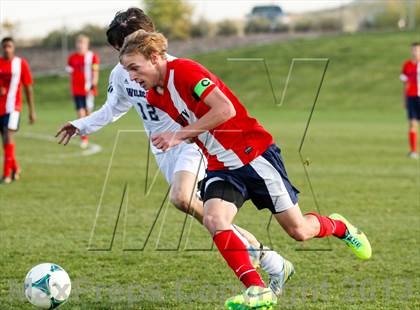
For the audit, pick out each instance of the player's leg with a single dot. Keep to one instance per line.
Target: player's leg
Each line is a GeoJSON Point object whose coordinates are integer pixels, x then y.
{"type": "Point", "coordinates": [279, 195]}
{"type": "Point", "coordinates": [299, 227]}
{"type": "Point", "coordinates": [13, 127]}
{"type": "Point", "coordinates": [183, 169]}
{"type": "Point", "coordinates": [90, 103]}
{"type": "Point", "coordinates": [3, 132]}
{"type": "Point", "coordinates": [218, 217]}
{"type": "Point", "coordinates": [10, 124]}
{"type": "Point", "coordinates": [9, 155]}
{"type": "Point", "coordinates": [81, 109]}
{"type": "Point", "coordinates": [14, 164]}
{"type": "Point", "coordinates": [412, 136]}
{"type": "Point", "coordinates": [313, 225]}
{"type": "Point", "coordinates": [279, 269]}
{"type": "Point", "coordinates": [413, 114]}
{"type": "Point", "coordinates": [183, 194]}
{"type": "Point", "coordinates": [222, 200]}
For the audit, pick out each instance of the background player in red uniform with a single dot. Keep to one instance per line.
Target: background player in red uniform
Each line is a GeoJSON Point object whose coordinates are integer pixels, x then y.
{"type": "Point", "coordinates": [84, 68]}
{"type": "Point", "coordinates": [243, 161]}
{"type": "Point", "coordinates": [14, 72]}
{"type": "Point", "coordinates": [410, 76]}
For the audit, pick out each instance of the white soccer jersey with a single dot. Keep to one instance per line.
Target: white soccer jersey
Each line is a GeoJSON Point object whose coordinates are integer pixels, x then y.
{"type": "Point", "coordinates": [122, 95]}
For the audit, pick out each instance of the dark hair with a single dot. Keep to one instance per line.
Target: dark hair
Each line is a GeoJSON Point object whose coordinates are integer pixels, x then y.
{"type": "Point", "coordinates": [125, 23]}
{"type": "Point", "coordinates": [7, 39]}
{"type": "Point", "coordinates": [415, 44]}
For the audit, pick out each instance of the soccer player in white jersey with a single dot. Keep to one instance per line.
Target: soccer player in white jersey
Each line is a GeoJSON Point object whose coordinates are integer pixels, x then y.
{"type": "Point", "coordinates": [183, 166]}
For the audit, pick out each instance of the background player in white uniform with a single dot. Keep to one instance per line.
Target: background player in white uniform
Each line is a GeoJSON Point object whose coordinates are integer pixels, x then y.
{"type": "Point", "coordinates": [184, 165]}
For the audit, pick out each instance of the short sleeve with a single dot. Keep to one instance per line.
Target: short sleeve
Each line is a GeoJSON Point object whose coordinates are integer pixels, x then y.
{"type": "Point", "coordinates": [199, 79]}
{"type": "Point", "coordinates": [95, 62]}
{"type": "Point", "coordinates": [69, 61]}
{"type": "Point", "coordinates": [26, 74]}
{"type": "Point", "coordinates": [116, 94]}
{"type": "Point", "coordinates": [405, 68]}
{"type": "Point", "coordinates": [113, 89]}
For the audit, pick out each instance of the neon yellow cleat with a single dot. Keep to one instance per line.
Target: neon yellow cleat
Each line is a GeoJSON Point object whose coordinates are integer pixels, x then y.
{"type": "Point", "coordinates": [255, 297]}
{"type": "Point", "coordinates": [355, 239]}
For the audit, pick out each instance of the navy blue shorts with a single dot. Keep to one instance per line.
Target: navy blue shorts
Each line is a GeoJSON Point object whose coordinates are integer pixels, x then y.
{"type": "Point", "coordinates": [80, 102]}
{"type": "Point", "coordinates": [264, 181]}
{"type": "Point", "coordinates": [413, 107]}
{"type": "Point", "coordinates": [9, 121]}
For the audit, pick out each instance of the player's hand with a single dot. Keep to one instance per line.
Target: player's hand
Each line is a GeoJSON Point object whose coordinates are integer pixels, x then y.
{"type": "Point", "coordinates": [65, 133]}
{"type": "Point", "coordinates": [92, 90]}
{"type": "Point", "coordinates": [166, 140]}
{"type": "Point", "coordinates": [32, 118]}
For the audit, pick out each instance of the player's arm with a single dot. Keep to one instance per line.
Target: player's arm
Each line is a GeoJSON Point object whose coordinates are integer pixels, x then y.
{"type": "Point", "coordinates": [403, 75]}
{"type": "Point", "coordinates": [221, 110]}
{"type": "Point", "coordinates": [115, 107]}
{"type": "Point", "coordinates": [404, 79]}
{"type": "Point", "coordinates": [27, 86]}
{"type": "Point", "coordinates": [95, 72]}
{"type": "Point", "coordinates": [95, 76]}
{"type": "Point", "coordinates": [69, 68]}
{"type": "Point", "coordinates": [29, 94]}
{"type": "Point", "coordinates": [92, 123]}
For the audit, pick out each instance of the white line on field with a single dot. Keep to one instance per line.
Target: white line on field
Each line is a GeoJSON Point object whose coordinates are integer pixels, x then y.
{"type": "Point", "coordinates": [91, 150]}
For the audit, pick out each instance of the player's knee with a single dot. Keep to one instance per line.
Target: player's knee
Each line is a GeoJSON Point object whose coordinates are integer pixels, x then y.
{"type": "Point", "coordinates": [180, 200]}
{"type": "Point", "coordinates": [298, 233]}
{"type": "Point", "coordinates": [213, 223]}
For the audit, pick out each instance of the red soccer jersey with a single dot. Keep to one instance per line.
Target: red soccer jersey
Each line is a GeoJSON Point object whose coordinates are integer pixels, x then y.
{"type": "Point", "coordinates": [230, 145]}
{"type": "Point", "coordinates": [81, 68]}
{"type": "Point", "coordinates": [13, 73]}
{"type": "Point", "coordinates": [411, 75]}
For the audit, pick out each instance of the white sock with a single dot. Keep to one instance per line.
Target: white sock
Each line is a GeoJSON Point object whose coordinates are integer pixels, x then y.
{"type": "Point", "coordinates": [272, 262]}
{"type": "Point", "coordinates": [240, 236]}
{"type": "Point", "coordinates": [253, 253]}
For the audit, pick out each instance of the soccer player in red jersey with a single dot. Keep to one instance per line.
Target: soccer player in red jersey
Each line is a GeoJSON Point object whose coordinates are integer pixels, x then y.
{"type": "Point", "coordinates": [410, 76]}
{"type": "Point", "coordinates": [243, 161]}
{"type": "Point", "coordinates": [84, 68]}
{"type": "Point", "coordinates": [14, 72]}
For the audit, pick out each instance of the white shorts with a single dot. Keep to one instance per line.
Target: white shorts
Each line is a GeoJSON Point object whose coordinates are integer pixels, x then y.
{"type": "Point", "coordinates": [10, 121]}
{"type": "Point", "coordinates": [183, 157]}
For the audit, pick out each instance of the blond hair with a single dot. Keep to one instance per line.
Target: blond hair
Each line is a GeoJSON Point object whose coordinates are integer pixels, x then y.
{"type": "Point", "coordinates": [82, 37]}
{"type": "Point", "coordinates": [145, 43]}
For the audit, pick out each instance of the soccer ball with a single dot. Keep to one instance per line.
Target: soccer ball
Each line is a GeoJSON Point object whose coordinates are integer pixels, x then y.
{"type": "Point", "coordinates": [47, 286]}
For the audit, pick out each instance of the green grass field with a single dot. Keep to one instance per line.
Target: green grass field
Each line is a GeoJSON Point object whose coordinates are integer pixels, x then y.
{"type": "Point", "coordinates": [356, 147]}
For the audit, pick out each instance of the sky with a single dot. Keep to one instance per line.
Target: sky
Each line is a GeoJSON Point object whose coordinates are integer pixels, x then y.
{"type": "Point", "coordinates": [36, 18]}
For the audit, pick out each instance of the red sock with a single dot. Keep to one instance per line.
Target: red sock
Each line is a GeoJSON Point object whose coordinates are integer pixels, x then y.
{"type": "Point", "coordinates": [329, 226]}
{"type": "Point", "coordinates": [413, 140]}
{"type": "Point", "coordinates": [15, 166]}
{"type": "Point", "coordinates": [236, 255]}
{"type": "Point", "coordinates": [8, 159]}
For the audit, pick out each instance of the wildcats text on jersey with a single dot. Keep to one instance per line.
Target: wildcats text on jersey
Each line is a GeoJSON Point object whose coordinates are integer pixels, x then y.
{"type": "Point", "coordinates": [135, 92]}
